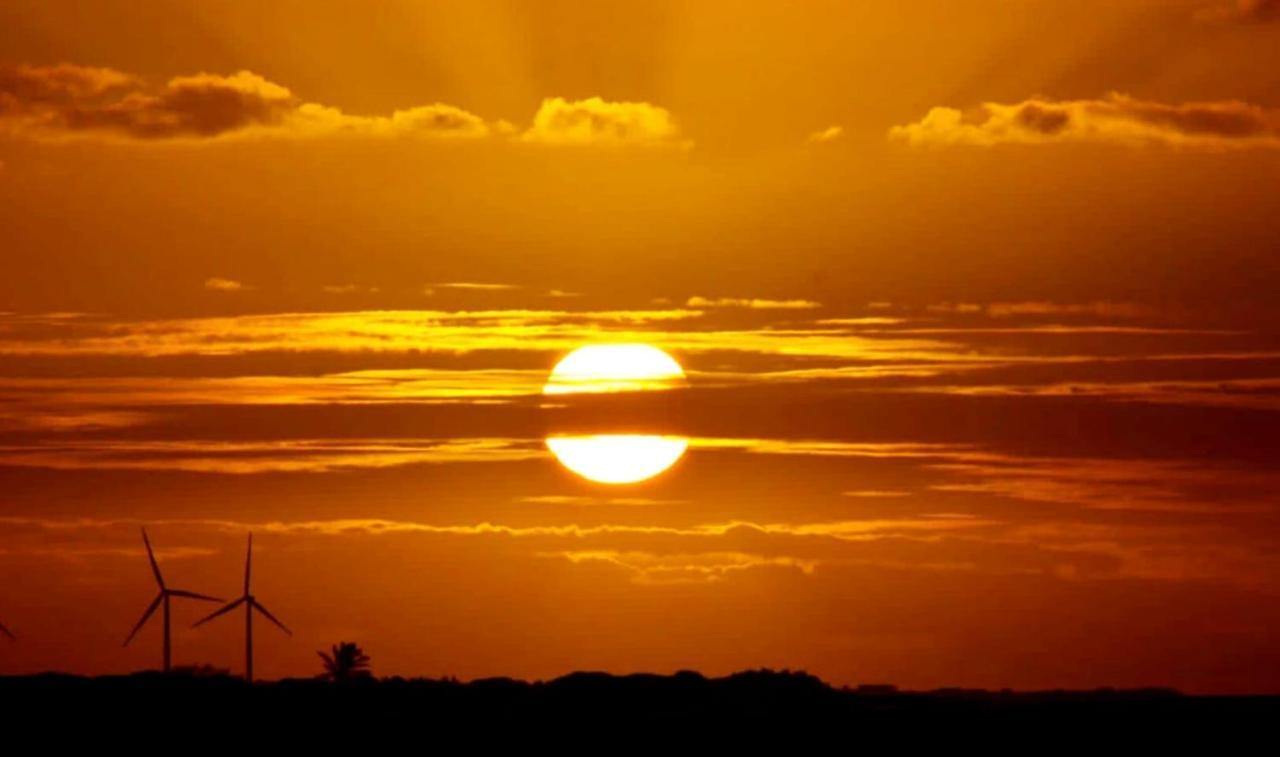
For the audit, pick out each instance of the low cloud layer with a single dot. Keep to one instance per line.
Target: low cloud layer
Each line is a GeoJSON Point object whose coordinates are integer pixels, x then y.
{"type": "Point", "coordinates": [1116, 118]}
{"type": "Point", "coordinates": [68, 101]}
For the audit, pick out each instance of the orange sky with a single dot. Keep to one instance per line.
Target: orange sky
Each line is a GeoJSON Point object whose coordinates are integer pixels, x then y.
{"type": "Point", "coordinates": [976, 303]}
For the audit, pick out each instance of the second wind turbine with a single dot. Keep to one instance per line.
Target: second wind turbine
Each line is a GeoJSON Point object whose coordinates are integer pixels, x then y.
{"type": "Point", "coordinates": [250, 604]}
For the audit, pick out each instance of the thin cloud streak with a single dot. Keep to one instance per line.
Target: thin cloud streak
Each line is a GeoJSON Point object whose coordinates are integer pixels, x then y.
{"type": "Point", "coordinates": [712, 552]}
{"type": "Point", "coordinates": [841, 530]}
{"type": "Point", "coordinates": [751, 303]}
{"type": "Point", "coordinates": [1178, 486]}
{"type": "Point", "coordinates": [684, 331]}
{"type": "Point", "coordinates": [352, 387]}
{"type": "Point", "coordinates": [648, 568]}
{"type": "Point", "coordinates": [326, 455]}
{"type": "Point", "coordinates": [1256, 394]}
{"type": "Point", "coordinates": [243, 458]}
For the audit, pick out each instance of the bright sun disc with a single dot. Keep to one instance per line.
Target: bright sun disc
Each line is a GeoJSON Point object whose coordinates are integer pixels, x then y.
{"type": "Point", "coordinates": [606, 368]}
{"type": "Point", "coordinates": [617, 458]}
{"type": "Point", "coordinates": [599, 368]}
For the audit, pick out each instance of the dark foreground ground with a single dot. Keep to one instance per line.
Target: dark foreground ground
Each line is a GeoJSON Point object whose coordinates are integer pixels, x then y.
{"type": "Point", "coordinates": [742, 703]}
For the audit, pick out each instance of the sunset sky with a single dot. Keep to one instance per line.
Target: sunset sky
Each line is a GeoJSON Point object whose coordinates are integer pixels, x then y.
{"type": "Point", "coordinates": [976, 305]}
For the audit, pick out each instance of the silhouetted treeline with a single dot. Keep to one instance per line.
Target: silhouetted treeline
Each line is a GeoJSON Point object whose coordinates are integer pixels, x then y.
{"type": "Point", "coordinates": [762, 699]}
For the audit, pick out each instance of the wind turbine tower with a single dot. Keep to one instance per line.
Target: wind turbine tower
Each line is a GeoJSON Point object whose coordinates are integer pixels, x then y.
{"type": "Point", "coordinates": [251, 604]}
{"type": "Point", "coordinates": [162, 599]}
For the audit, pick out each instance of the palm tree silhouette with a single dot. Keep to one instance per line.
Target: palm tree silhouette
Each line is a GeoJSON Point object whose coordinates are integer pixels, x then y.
{"type": "Point", "coordinates": [346, 661]}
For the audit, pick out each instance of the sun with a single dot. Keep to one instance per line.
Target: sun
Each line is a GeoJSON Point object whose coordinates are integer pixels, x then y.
{"type": "Point", "coordinates": [617, 458]}
{"type": "Point", "coordinates": [599, 368]}
{"type": "Point", "coordinates": [603, 368]}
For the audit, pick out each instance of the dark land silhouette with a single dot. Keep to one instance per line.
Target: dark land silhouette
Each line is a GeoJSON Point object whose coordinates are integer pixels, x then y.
{"type": "Point", "coordinates": [761, 699]}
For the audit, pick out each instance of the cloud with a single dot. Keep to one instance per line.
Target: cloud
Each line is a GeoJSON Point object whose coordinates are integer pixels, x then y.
{"type": "Point", "coordinates": [843, 531]}
{"type": "Point", "coordinates": [1239, 12]}
{"type": "Point", "coordinates": [827, 448]}
{"type": "Point", "coordinates": [437, 120]}
{"type": "Point", "coordinates": [218, 284]}
{"type": "Point", "coordinates": [651, 568]}
{"type": "Point", "coordinates": [349, 289]}
{"type": "Point", "coordinates": [440, 331]}
{"type": "Point", "coordinates": [474, 286]}
{"type": "Point", "coordinates": [60, 84]}
{"type": "Point", "coordinates": [751, 303]}
{"type": "Point", "coordinates": [1114, 484]}
{"type": "Point", "coordinates": [712, 551]}
{"type": "Point", "coordinates": [1116, 118]}
{"type": "Point", "coordinates": [452, 357]}
{"type": "Point", "coordinates": [862, 321]}
{"type": "Point", "coordinates": [60, 419]}
{"type": "Point", "coordinates": [1258, 394]}
{"type": "Point", "coordinates": [829, 134]}
{"type": "Point", "coordinates": [581, 501]}
{"type": "Point", "coordinates": [1102, 309]}
{"type": "Point", "coordinates": [320, 455]}
{"type": "Point", "coordinates": [59, 402]}
{"type": "Point", "coordinates": [243, 458]}
{"type": "Point", "coordinates": [594, 121]}
{"type": "Point", "coordinates": [67, 100]}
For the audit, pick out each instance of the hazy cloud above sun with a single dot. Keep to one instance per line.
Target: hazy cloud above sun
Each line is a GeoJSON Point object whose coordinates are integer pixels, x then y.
{"type": "Point", "coordinates": [1116, 118]}
{"type": "Point", "coordinates": [68, 101]}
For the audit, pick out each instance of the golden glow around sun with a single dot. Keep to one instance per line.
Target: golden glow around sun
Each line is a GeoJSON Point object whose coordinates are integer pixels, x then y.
{"type": "Point", "coordinates": [604, 368]}
{"type": "Point", "coordinates": [599, 368]}
{"type": "Point", "coordinates": [617, 458]}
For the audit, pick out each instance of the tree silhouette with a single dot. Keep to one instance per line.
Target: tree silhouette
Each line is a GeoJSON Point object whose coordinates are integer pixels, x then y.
{"type": "Point", "coordinates": [345, 662]}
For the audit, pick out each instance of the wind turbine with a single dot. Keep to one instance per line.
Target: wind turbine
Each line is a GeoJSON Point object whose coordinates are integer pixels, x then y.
{"type": "Point", "coordinates": [250, 604]}
{"type": "Point", "coordinates": [162, 599]}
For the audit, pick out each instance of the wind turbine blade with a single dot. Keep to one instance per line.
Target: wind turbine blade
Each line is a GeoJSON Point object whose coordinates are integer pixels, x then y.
{"type": "Point", "coordinates": [223, 611]}
{"type": "Point", "coordinates": [154, 604]}
{"type": "Point", "coordinates": [248, 559]}
{"type": "Point", "coordinates": [193, 595]}
{"type": "Point", "coordinates": [271, 617]}
{"type": "Point", "coordinates": [152, 557]}
{"type": "Point", "coordinates": [7, 632]}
